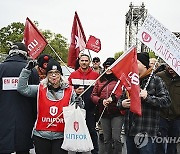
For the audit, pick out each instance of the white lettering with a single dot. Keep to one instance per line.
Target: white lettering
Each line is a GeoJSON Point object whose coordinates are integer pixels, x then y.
{"type": "Point", "coordinates": [32, 45]}
{"type": "Point", "coordinates": [49, 120]}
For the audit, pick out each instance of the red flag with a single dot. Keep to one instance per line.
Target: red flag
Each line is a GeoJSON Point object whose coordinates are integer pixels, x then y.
{"type": "Point", "coordinates": [93, 44]}
{"type": "Point", "coordinates": [33, 39]}
{"type": "Point", "coordinates": [78, 41]}
{"type": "Point", "coordinates": [126, 69]}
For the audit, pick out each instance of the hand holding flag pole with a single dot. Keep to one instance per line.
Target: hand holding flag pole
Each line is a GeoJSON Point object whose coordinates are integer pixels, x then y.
{"type": "Point", "coordinates": [114, 89]}
{"type": "Point", "coordinates": [128, 74]}
{"type": "Point", "coordinates": [77, 97]}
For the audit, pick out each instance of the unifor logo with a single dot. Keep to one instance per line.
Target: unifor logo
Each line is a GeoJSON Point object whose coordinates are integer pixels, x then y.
{"type": "Point", "coordinates": [146, 37]}
{"type": "Point", "coordinates": [97, 42]}
{"type": "Point", "coordinates": [53, 110]}
{"type": "Point", "coordinates": [141, 140]}
{"type": "Point", "coordinates": [134, 78]}
{"type": "Point", "coordinates": [76, 126]}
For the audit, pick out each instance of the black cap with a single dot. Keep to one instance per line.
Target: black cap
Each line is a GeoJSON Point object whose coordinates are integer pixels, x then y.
{"type": "Point", "coordinates": [109, 61]}
{"type": "Point", "coordinates": [96, 59]}
{"type": "Point", "coordinates": [44, 58]}
{"type": "Point", "coordinates": [20, 49]}
{"type": "Point", "coordinates": [53, 65]}
{"type": "Point", "coordinates": [19, 46]}
{"type": "Point", "coordinates": [143, 57]}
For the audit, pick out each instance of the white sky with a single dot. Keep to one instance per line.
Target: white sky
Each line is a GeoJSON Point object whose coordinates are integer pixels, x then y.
{"type": "Point", "coordinates": [105, 19]}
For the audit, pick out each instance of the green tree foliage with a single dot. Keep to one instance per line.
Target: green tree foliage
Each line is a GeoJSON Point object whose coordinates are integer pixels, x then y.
{"type": "Point", "coordinates": [58, 43]}
{"type": "Point", "coordinates": [152, 54]}
{"type": "Point", "coordinates": [118, 54]}
{"type": "Point", "coordinates": [14, 33]}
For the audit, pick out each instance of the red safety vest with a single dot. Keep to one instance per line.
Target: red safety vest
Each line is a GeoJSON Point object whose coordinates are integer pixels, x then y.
{"type": "Point", "coordinates": [48, 110]}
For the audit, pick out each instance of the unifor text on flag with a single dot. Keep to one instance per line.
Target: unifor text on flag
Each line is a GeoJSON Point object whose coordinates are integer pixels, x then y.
{"type": "Point", "coordinates": [78, 41]}
{"type": "Point", "coordinates": [33, 39]}
{"type": "Point", "coordinates": [125, 68]}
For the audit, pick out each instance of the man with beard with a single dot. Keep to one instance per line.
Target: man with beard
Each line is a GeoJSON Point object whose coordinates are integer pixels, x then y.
{"type": "Point", "coordinates": [81, 79]}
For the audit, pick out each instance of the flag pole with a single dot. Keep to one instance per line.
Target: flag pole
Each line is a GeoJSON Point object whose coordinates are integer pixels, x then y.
{"type": "Point", "coordinates": [90, 55]}
{"type": "Point", "coordinates": [114, 89]}
{"type": "Point", "coordinates": [59, 57]}
{"type": "Point", "coordinates": [149, 79]}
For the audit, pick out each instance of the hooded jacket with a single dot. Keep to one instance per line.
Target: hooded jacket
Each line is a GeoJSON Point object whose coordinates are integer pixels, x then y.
{"type": "Point", "coordinates": [80, 78]}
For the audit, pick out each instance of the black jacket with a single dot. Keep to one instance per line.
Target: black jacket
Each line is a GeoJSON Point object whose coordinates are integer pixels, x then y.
{"type": "Point", "coordinates": [16, 111]}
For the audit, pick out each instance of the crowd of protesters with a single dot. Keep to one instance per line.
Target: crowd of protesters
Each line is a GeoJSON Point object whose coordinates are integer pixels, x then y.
{"type": "Point", "coordinates": [29, 89]}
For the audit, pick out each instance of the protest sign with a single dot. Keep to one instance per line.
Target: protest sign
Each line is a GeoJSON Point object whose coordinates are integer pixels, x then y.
{"type": "Point", "coordinates": [162, 41]}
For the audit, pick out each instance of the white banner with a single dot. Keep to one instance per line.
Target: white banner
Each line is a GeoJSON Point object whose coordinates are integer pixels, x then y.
{"type": "Point", "coordinates": [10, 83]}
{"type": "Point", "coordinates": [162, 41]}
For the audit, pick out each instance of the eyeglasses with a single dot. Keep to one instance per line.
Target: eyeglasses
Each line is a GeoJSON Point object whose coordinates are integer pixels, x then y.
{"type": "Point", "coordinates": [51, 73]}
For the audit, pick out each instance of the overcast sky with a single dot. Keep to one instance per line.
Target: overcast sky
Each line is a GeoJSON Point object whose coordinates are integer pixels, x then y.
{"type": "Point", "coordinates": [104, 19]}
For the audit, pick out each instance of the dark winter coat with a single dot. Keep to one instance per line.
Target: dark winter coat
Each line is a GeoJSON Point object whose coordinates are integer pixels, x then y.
{"type": "Point", "coordinates": [173, 86]}
{"type": "Point", "coordinates": [16, 111]}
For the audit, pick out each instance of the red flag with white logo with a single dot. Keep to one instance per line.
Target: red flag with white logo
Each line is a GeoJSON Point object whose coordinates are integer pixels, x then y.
{"type": "Point", "coordinates": [125, 68]}
{"type": "Point", "coordinates": [93, 44]}
{"type": "Point", "coordinates": [78, 41]}
{"type": "Point", "coordinates": [33, 39]}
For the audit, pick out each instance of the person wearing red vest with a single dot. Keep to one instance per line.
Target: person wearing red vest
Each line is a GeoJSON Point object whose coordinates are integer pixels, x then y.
{"type": "Point", "coordinates": [52, 95]}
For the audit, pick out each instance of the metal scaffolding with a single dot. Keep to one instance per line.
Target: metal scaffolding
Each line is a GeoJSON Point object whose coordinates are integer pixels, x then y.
{"type": "Point", "coordinates": [134, 19]}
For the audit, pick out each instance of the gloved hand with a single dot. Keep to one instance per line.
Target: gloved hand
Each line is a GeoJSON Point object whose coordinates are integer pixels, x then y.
{"type": "Point", "coordinates": [31, 64]}
{"type": "Point", "coordinates": [79, 102]}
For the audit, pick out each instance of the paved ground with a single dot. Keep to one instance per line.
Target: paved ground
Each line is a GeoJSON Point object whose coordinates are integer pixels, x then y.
{"type": "Point", "coordinates": [102, 146]}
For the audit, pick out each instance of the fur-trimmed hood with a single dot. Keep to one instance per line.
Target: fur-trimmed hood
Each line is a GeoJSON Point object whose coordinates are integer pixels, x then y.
{"type": "Point", "coordinates": [63, 83]}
